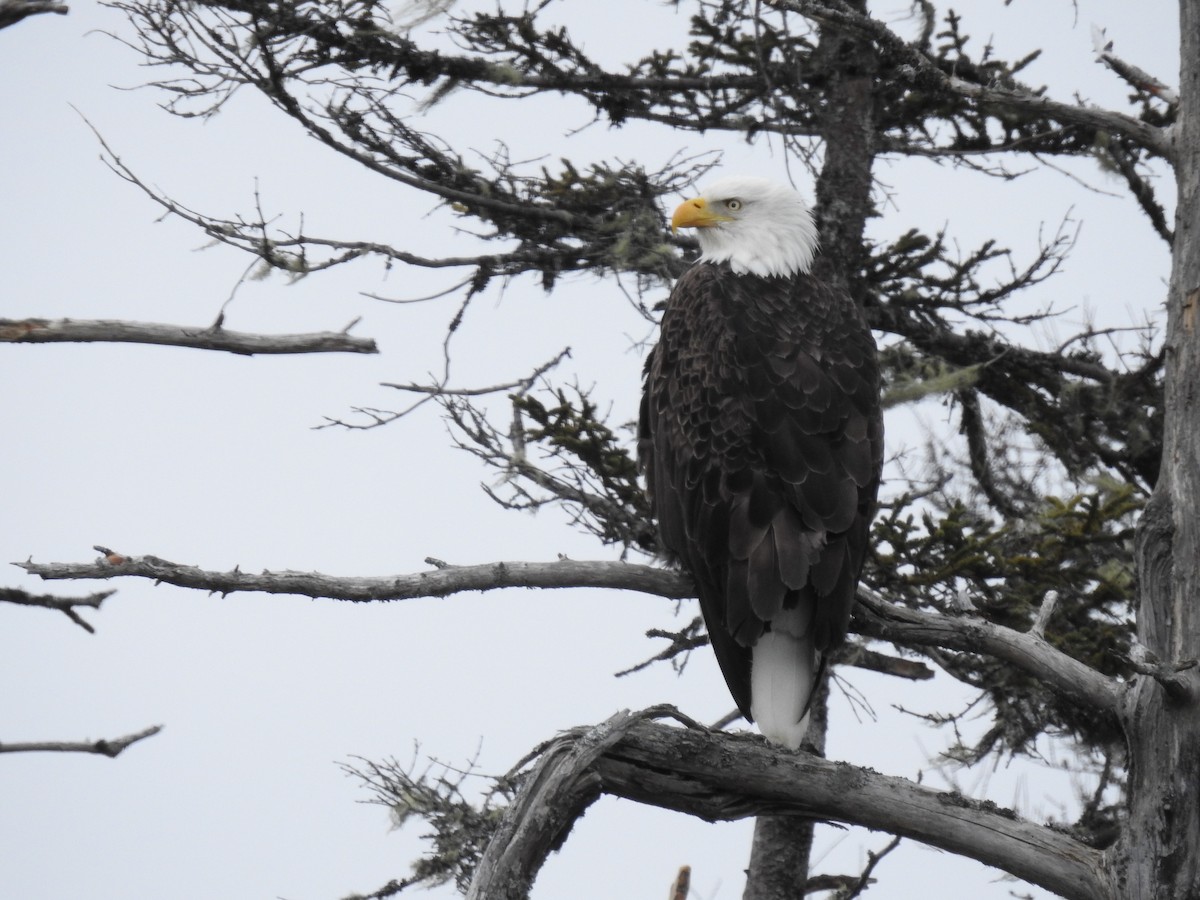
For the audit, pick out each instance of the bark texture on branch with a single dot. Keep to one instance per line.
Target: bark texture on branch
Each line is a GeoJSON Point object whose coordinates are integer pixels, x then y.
{"type": "Point", "coordinates": [113, 331]}
{"type": "Point", "coordinates": [559, 789]}
{"type": "Point", "coordinates": [719, 777]}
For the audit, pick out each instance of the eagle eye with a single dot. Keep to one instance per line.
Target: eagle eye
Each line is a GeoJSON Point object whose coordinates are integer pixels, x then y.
{"type": "Point", "coordinates": [733, 205]}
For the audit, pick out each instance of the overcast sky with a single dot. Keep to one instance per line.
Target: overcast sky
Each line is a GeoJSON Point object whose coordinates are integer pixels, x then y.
{"type": "Point", "coordinates": [212, 460]}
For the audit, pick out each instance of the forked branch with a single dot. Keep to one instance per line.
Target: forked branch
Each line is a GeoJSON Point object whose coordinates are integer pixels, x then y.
{"type": "Point", "coordinates": [65, 605]}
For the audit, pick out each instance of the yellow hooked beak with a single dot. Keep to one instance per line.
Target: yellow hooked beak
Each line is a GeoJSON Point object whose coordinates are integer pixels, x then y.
{"type": "Point", "coordinates": [696, 214]}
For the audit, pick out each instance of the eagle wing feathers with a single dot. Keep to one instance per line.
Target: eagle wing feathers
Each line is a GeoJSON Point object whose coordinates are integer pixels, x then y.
{"type": "Point", "coordinates": [761, 439]}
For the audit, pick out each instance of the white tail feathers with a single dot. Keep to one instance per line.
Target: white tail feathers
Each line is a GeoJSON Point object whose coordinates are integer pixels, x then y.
{"type": "Point", "coordinates": [783, 675]}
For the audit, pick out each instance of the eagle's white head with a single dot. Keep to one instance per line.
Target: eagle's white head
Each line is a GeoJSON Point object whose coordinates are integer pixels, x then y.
{"type": "Point", "coordinates": [757, 225]}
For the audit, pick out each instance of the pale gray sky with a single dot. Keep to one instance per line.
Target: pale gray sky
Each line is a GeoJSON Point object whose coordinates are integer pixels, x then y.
{"type": "Point", "coordinates": [210, 459]}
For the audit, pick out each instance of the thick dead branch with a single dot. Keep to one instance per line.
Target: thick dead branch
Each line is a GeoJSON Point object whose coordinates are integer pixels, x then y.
{"type": "Point", "coordinates": [213, 337]}
{"type": "Point", "coordinates": [13, 11]}
{"type": "Point", "coordinates": [560, 788]}
{"type": "Point", "coordinates": [65, 605]}
{"type": "Point", "coordinates": [111, 748]}
{"type": "Point", "coordinates": [722, 777]}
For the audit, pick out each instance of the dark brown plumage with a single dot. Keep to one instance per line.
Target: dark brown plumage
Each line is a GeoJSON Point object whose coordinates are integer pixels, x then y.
{"type": "Point", "coordinates": [761, 440]}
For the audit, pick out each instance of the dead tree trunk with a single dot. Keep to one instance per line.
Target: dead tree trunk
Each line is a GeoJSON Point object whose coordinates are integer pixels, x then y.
{"type": "Point", "coordinates": [782, 848]}
{"type": "Point", "coordinates": [1158, 856]}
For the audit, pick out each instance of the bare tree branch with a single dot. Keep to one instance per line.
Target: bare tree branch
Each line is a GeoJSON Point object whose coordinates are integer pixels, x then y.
{"type": "Point", "coordinates": [111, 748]}
{"type": "Point", "coordinates": [721, 777]}
{"type": "Point", "coordinates": [874, 617]}
{"type": "Point", "coordinates": [213, 337]}
{"type": "Point", "coordinates": [440, 582]}
{"type": "Point", "coordinates": [65, 605]}
{"type": "Point", "coordinates": [13, 11]}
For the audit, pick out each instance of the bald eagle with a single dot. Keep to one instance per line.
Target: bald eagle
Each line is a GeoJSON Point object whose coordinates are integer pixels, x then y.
{"type": "Point", "coordinates": [761, 440]}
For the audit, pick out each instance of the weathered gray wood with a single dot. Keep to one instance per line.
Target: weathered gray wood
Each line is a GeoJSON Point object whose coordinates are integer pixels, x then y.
{"type": "Point", "coordinates": [557, 791]}
{"type": "Point", "coordinates": [110, 747]}
{"type": "Point", "coordinates": [113, 331]}
{"type": "Point", "coordinates": [718, 776]}
{"type": "Point", "coordinates": [437, 582]}
{"type": "Point", "coordinates": [1158, 855]}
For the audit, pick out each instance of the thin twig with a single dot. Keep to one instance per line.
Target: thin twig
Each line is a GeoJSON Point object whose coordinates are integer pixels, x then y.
{"type": "Point", "coordinates": [865, 878]}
